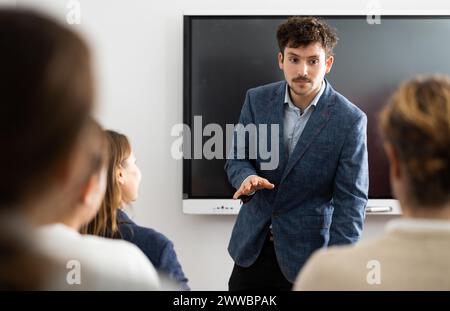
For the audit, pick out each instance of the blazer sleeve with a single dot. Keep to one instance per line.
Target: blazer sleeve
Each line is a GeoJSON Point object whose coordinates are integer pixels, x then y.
{"type": "Point", "coordinates": [351, 186]}
{"type": "Point", "coordinates": [169, 264]}
{"type": "Point", "coordinates": [239, 165]}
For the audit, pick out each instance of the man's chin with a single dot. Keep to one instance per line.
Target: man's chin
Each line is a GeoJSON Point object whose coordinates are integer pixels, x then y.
{"type": "Point", "coordinates": [301, 92]}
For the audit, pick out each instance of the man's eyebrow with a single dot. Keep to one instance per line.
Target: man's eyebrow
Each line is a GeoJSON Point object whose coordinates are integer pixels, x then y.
{"type": "Point", "coordinates": [312, 56]}
{"type": "Point", "coordinates": [291, 53]}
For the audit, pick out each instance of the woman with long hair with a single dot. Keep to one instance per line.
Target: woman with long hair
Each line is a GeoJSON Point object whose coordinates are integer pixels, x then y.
{"type": "Point", "coordinates": [123, 179]}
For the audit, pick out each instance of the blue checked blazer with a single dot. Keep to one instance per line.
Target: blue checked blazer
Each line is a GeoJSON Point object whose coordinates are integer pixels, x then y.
{"type": "Point", "coordinates": [321, 190]}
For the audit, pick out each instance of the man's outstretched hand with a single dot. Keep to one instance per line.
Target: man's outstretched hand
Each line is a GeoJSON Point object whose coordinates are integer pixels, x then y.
{"type": "Point", "coordinates": [251, 184]}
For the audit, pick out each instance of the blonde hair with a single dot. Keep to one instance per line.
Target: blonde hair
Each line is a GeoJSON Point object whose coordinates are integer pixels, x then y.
{"type": "Point", "coordinates": [416, 123]}
{"type": "Point", "coordinates": [105, 222]}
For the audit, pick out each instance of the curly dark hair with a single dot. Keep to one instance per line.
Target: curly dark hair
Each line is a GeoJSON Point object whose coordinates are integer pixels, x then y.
{"type": "Point", "coordinates": [302, 31]}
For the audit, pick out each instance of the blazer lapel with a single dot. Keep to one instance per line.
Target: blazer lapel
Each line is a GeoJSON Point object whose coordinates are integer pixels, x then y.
{"type": "Point", "coordinates": [316, 123]}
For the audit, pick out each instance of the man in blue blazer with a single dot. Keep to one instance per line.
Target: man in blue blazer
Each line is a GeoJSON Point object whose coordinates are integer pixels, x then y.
{"type": "Point", "coordinates": [316, 195]}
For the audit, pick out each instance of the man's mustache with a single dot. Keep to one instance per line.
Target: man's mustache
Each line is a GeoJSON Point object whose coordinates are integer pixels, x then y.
{"type": "Point", "coordinates": [301, 79]}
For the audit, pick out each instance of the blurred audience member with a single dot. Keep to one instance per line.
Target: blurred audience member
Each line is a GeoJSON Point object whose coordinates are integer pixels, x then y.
{"type": "Point", "coordinates": [47, 96]}
{"type": "Point", "coordinates": [414, 252]}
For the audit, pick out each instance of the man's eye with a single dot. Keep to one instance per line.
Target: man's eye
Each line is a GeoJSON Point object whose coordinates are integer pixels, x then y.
{"type": "Point", "coordinates": [314, 61]}
{"type": "Point", "coordinates": [293, 60]}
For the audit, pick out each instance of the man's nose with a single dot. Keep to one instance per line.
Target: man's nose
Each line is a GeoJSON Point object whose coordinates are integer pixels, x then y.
{"type": "Point", "coordinates": [302, 69]}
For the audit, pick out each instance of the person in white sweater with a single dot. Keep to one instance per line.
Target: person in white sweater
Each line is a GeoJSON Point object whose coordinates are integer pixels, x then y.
{"type": "Point", "coordinates": [414, 252]}
{"type": "Point", "coordinates": [52, 161]}
{"type": "Point", "coordinates": [101, 264]}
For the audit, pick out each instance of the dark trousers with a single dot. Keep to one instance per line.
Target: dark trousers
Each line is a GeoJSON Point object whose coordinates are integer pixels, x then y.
{"type": "Point", "coordinates": [264, 274]}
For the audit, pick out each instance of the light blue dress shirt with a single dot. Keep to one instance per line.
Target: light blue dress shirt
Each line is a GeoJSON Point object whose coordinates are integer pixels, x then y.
{"type": "Point", "coordinates": [295, 120]}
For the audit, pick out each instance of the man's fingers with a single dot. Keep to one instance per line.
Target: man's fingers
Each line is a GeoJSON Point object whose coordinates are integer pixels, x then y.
{"type": "Point", "coordinates": [267, 185]}
{"type": "Point", "coordinates": [263, 184]}
{"type": "Point", "coordinates": [247, 188]}
{"type": "Point", "coordinates": [237, 194]}
{"type": "Point", "coordinates": [243, 190]}
{"type": "Point", "coordinates": [253, 185]}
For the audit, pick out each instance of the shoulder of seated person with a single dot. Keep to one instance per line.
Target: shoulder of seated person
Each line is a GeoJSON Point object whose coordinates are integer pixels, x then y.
{"type": "Point", "coordinates": [343, 252]}
{"type": "Point", "coordinates": [328, 259]}
{"type": "Point", "coordinates": [111, 244]}
{"type": "Point", "coordinates": [150, 233]}
{"type": "Point", "coordinates": [162, 241]}
{"type": "Point", "coordinates": [342, 267]}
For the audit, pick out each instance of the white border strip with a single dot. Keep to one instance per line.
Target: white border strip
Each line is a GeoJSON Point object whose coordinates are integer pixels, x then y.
{"type": "Point", "coordinates": [232, 207]}
{"type": "Point", "coordinates": [316, 12]}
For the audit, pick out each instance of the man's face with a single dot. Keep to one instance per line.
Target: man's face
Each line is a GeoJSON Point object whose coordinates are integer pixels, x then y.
{"type": "Point", "coordinates": [304, 68]}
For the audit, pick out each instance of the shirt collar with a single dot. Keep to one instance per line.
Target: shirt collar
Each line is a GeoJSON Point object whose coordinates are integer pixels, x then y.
{"type": "Point", "coordinates": [287, 98]}
{"type": "Point", "coordinates": [418, 224]}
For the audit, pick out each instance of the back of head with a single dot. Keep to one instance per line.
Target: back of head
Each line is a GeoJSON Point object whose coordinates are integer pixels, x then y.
{"type": "Point", "coordinates": [92, 171]}
{"type": "Point", "coordinates": [93, 150]}
{"type": "Point", "coordinates": [416, 123]}
{"type": "Point", "coordinates": [105, 222]}
{"type": "Point", "coordinates": [46, 95]}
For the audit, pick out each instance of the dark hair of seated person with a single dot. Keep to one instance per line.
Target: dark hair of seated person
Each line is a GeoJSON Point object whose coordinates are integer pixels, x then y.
{"type": "Point", "coordinates": [46, 96]}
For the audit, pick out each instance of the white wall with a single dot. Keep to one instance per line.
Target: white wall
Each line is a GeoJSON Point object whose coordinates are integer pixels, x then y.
{"type": "Point", "coordinates": [137, 46]}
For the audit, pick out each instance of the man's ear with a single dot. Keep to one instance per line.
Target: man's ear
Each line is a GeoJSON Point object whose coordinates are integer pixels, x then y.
{"type": "Point", "coordinates": [280, 60]}
{"type": "Point", "coordinates": [329, 63]}
{"type": "Point", "coordinates": [394, 163]}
